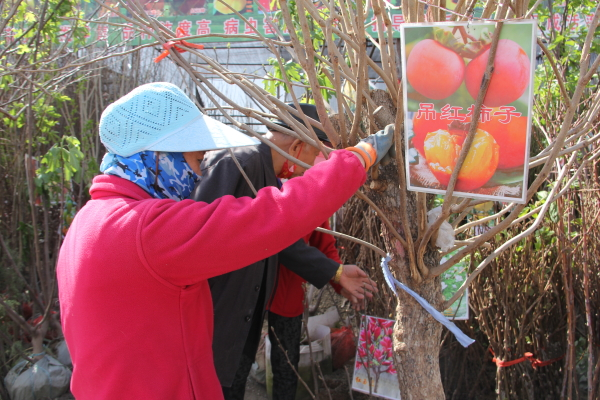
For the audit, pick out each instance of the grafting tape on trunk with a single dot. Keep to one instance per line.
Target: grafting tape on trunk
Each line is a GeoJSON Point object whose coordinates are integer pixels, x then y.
{"type": "Point", "coordinates": [463, 339]}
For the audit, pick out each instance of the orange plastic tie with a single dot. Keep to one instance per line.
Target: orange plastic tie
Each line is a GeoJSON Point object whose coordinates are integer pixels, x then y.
{"type": "Point", "coordinates": [527, 357]}
{"type": "Point", "coordinates": [537, 363]}
{"type": "Point", "coordinates": [173, 44]}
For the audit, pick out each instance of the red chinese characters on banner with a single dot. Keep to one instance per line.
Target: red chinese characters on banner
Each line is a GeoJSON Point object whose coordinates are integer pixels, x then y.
{"type": "Point", "coordinates": [9, 35]}
{"type": "Point", "coordinates": [573, 22]}
{"type": "Point", "coordinates": [557, 20]}
{"type": "Point", "coordinates": [588, 19]}
{"type": "Point", "coordinates": [167, 24]}
{"type": "Point", "coordinates": [65, 32]}
{"type": "Point", "coordinates": [203, 27]}
{"type": "Point", "coordinates": [374, 24]}
{"type": "Point", "coordinates": [248, 26]}
{"type": "Point", "coordinates": [145, 36]}
{"type": "Point", "coordinates": [231, 26]}
{"type": "Point", "coordinates": [127, 33]}
{"type": "Point", "coordinates": [267, 27]}
{"type": "Point", "coordinates": [102, 32]}
{"type": "Point", "coordinates": [397, 20]}
{"type": "Point", "coordinates": [185, 26]}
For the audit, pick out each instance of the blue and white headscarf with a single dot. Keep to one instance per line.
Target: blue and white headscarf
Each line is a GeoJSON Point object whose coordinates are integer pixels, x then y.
{"type": "Point", "coordinates": [176, 179]}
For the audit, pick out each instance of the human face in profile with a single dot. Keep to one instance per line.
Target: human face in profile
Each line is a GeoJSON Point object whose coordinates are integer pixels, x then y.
{"type": "Point", "coordinates": [194, 158]}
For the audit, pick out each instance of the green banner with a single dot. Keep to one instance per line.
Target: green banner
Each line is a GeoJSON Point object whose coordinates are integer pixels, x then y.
{"type": "Point", "coordinates": [212, 20]}
{"type": "Point", "coordinates": [209, 18]}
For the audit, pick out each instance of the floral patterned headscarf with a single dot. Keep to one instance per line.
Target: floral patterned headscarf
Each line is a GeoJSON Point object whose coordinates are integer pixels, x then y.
{"type": "Point", "coordinates": [176, 179]}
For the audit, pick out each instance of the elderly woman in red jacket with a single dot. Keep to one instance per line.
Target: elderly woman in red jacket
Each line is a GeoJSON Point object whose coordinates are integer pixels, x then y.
{"type": "Point", "coordinates": [135, 303]}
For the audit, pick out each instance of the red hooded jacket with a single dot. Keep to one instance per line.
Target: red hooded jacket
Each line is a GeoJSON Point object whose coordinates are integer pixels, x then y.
{"type": "Point", "coordinates": [136, 308]}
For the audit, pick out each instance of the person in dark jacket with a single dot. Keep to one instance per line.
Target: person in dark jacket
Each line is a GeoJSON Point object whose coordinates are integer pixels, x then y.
{"type": "Point", "coordinates": [286, 310]}
{"type": "Point", "coordinates": [240, 298]}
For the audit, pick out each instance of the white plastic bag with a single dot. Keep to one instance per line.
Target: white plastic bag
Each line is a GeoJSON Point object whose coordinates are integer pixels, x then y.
{"type": "Point", "coordinates": [47, 378]}
{"type": "Point", "coordinates": [445, 238]}
{"type": "Point", "coordinates": [63, 355]}
{"type": "Point", "coordinates": [329, 318]}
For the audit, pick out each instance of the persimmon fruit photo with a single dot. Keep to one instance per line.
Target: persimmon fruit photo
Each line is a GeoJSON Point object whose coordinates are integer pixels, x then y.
{"type": "Point", "coordinates": [422, 126]}
{"type": "Point", "coordinates": [511, 138]}
{"type": "Point", "coordinates": [442, 149]}
{"type": "Point", "coordinates": [510, 77]}
{"type": "Point", "coordinates": [434, 70]}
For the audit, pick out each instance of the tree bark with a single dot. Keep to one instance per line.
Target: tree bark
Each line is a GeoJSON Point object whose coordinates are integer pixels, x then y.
{"type": "Point", "coordinates": [416, 334]}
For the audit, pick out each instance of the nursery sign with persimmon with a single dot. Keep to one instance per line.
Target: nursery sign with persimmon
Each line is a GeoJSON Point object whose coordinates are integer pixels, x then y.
{"type": "Point", "coordinates": [443, 65]}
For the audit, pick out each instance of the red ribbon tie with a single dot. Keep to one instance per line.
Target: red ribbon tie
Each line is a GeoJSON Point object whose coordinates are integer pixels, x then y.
{"type": "Point", "coordinates": [527, 357]}
{"type": "Point", "coordinates": [174, 44]}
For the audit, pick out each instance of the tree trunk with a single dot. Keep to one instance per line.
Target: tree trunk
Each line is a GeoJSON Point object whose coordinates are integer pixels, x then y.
{"type": "Point", "coordinates": [37, 340]}
{"type": "Point", "coordinates": [416, 334]}
{"type": "Point", "coordinates": [417, 344]}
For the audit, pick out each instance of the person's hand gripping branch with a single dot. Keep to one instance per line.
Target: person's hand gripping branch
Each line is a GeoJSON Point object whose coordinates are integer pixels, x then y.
{"type": "Point", "coordinates": [355, 283]}
{"type": "Point", "coordinates": [374, 148]}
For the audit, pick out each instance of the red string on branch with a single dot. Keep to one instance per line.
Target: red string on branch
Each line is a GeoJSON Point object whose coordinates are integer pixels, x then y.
{"type": "Point", "coordinates": [527, 357]}
{"type": "Point", "coordinates": [173, 44]}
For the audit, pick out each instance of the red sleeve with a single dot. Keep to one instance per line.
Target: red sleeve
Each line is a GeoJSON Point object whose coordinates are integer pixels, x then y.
{"type": "Point", "coordinates": [186, 242]}
{"type": "Point", "coordinates": [326, 244]}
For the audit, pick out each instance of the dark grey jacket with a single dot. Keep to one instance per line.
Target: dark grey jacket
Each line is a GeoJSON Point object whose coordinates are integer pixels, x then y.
{"type": "Point", "coordinates": [235, 294]}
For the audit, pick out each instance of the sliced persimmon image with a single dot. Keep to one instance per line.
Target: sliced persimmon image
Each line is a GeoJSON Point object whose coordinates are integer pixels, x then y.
{"type": "Point", "coordinates": [442, 149]}
{"type": "Point", "coordinates": [511, 137]}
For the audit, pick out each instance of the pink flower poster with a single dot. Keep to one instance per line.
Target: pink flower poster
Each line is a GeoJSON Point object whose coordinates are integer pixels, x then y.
{"type": "Point", "coordinates": [375, 371]}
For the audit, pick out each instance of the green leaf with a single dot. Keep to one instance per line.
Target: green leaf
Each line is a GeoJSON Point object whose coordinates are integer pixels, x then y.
{"type": "Point", "coordinates": [542, 195]}
{"type": "Point", "coordinates": [23, 49]}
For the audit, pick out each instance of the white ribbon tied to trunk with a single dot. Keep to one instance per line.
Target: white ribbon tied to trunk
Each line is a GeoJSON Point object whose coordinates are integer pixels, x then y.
{"type": "Point", "coordinates": [392, 282]}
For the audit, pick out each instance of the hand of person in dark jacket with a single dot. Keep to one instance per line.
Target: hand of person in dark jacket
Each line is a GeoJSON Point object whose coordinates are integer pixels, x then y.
{"type": "Point", "coordinates": [356, 282]}
{"type": "Point", "coordinates": [356, 303]}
